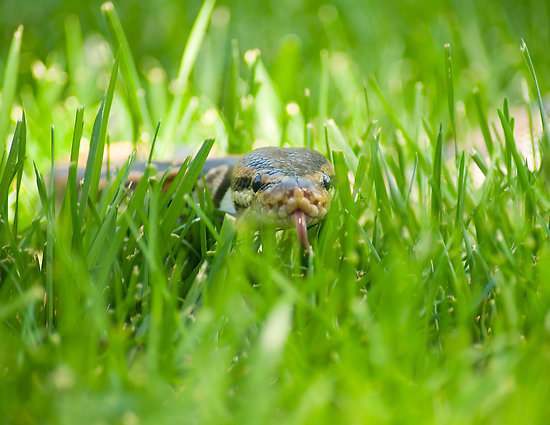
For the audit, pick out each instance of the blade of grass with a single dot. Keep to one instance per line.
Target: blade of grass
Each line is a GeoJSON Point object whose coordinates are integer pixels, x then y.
{"type": "Point", "coordinates": [413, 175]}
{"type": "Point", "coordinates": [99, 245]}
{"type": "Point", "coordinates": [152, 150]}
{"type": "Point", "coordinates": [424, 162]}
{"type": "Point", "coordinates": [396, 198]}
{"type": "Point", "coordinates": [97, 145]}
{"type": "Point", "coordinates": [226, 236]}
{"type": "Point", "coordinates": [382, 199]}
{"type": "Point", "coordinates": [190, 179]}
{"type": "Point", "coordinates": [437, 200]}
{"type": "Point", "coordinates": [450, 93]}
{"type": "Point", "coordinates": [48, 256]}
{"type": "Point", "coordinates": [31, 296]}
{"type": "Point", "coordinates": [50, 250]}
{"type": "Point", "coordinates": [157, 290]}
{"type": "Point", "coordinates": [9, 87]}
{"type": "Point", "coordinates": [20, 162]}
{"type": "Point", "coordinates": [483, 123]}
{"type": "Point", "coordinates": [187, 62]}
{"type": "Point", "coordinates": [545, 134]}
{"type": "Point", "coordinates": [72, 178]}
{"type": "Point", "coordinates": [323, 91]}
{"type": "Point", "coordinates": [174, 185]}
{"type": "Point", "coordinates": [360, 175]}
{"type": "Point", "coordinates": [75, 49]}
{"type": "Point", "coordinates": [134, 205]}
{"type": "Point", "coordinates": [339, 142]}
{"type": "Point", "coordinates": [9, 171]}
{"type": "Point", "coordinates": [198, 210]}
{"type": "Point", "coordinates": [520, 166]}
{"type": "Point", "coordinates": [231, 98]}
{"type": "Point", "coordinates": [128, 68]}
{"type": "Point", "coordinates": [462, 176]}
{"type": "Point", "coordinates": [480, 162]}
{"type": "Point", "coordinates": [52, 161]}
{"type": "Point", "coordinates": [341, 170]}
{"type": "Point", "coordinates": [308, 140]}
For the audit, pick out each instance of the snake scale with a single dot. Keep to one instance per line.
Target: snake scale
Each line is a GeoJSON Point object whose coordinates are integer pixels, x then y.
{"type": "Point", "coordinates": [286, 187]}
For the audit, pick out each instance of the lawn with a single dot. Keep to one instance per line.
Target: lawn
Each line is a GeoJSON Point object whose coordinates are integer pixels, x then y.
{"type": "Point", "coordinates": [424, 298]}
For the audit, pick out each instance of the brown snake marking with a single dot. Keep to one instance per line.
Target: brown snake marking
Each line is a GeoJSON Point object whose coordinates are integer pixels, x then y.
{"type": "Point", "coordinates": [284, 187]}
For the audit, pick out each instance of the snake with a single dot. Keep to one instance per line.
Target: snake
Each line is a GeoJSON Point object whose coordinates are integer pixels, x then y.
{"type": "Point", "coordinates": [284, 186]}
{"type": "Point", "coordinates": [281, 187]}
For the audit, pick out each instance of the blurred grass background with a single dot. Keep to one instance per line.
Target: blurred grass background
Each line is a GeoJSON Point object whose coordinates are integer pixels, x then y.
{"type": "Point", "coordinates": [426, 300]}
{"type": "Point", "coordinates": [400, 44]}
{"type": "Point", "coordinates": [377, 35]}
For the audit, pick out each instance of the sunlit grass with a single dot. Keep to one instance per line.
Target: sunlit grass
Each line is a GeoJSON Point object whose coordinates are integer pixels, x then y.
{"type": "Point", "coordinates": [424, 299]}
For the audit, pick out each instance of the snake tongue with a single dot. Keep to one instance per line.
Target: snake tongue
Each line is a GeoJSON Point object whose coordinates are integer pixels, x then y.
{"type": "Point", "coordinates": [301, 227]}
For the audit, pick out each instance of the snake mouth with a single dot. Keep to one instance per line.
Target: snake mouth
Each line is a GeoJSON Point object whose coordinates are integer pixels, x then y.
{"type": "Point", "coordinates": [280, 206]}
{"type": "Point", "coordinates": [299, 207]}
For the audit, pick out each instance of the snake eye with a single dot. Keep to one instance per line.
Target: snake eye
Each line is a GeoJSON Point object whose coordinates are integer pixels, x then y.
{"type": "Point", "coordinates": [256, 182]}
{"type": "Point", "coordinates": [327, 182]}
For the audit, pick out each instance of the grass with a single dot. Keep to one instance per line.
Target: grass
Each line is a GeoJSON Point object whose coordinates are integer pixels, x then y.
{"type": "Point", "coordinates": [425, 299]}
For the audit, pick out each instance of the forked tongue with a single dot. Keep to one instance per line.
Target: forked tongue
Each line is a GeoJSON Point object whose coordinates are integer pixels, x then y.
{"type": "Point", "coordinates": [301, 227]}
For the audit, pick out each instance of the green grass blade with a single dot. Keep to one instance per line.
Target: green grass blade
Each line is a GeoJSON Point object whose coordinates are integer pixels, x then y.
{"type": "Point", "coordinates": [437, 199]}
{"type": "Point", "coordinates": [177, 180]}
{"type": "Point", "coordinates": [323, 91]}
{"type": "Point", "coordinates": [102, 242]}
{"type": "Point", "coordinates": [338, 141]}
{"type": "Point", "coordinates": [450, 93]}
{"type": "Point", "coordinates": [544, 120]}
{"type": "Point", "coordinates": [92, 154]}
{"type": "Point", "coordinates": [231, 98]}
{"type": "Point", "coordinates": [360, 175]}
{"type": "Point", "coordinates": [128, 70]}
{"type": "Point", "coordinates": [102, 136]}
{"type": "Point", "coordinates": [518, 161]}
{"type": "Point", "coordinates": [20, 162]}
{"type": "Point", "coordinates": [412, 145]}
{"type": "Point", "coordinates": [72, 183]}
{"type": "Point", "coordinates": [42, 192]}
{"type": "Point", "coordinates": [190, 179]}
{"type": "Point", "coordinates": [31, 296]}
{"type": "Point", "coordinates": [52, 168]}
{"type": "Point", "coordinates": [382, 199]}
{"type": "Point", "coordinates": [97, 145]}
{"type": "Point", "coordinates": [462, 176]}
{"type": "Point", "coordinates": [396, 197]}
{"type": "Point", "coordinates": [75, 57]}
{"type": "Point", "coordinates": [152, 150]}
{"type": "Point", "coordinates": [187, 62]}
{"type": "Point", "coordinates": [48, 258]}
{"type": "Point", "coordinates": [9, 86]}
{"type": "Point", "coordinates": [10, 169]}
{"type": "Point", "coordinates": [341, 169]}
{"type": "Point", "coordinates": [480, 162]}
{"type": "Point", "coordinates": [307, 142]}
{"type": "Point", "coordinates": [483, 125]}
{"type": "Point", "coordinates": [103, 237]}
{"type": "Point", "coordinates": [199, 211]}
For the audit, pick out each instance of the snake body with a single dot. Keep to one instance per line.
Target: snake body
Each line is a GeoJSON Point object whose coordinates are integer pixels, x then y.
{"type": "Point", "coordinates": [284, 187]}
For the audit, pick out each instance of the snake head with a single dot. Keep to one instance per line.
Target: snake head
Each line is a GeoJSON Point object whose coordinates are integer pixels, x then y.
{"type": "Point", "coordinates": [285, 187]}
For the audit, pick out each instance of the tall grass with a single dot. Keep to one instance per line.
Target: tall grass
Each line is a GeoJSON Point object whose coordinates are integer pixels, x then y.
{"type": "Point", "coordinates": [424, 299]}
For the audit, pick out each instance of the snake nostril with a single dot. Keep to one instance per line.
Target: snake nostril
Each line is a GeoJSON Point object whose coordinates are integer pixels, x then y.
{"type": "Point", "coordinates": [257, 182]}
